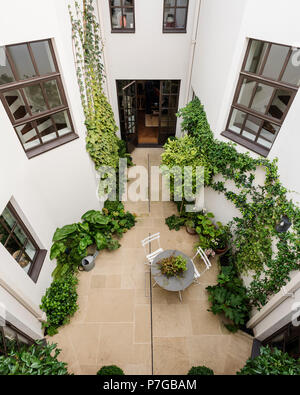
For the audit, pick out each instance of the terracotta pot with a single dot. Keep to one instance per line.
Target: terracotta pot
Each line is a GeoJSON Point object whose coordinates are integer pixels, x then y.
{"type": "Point", "coordinates": [190, 231]}
{"type": "Point", "coordinates": [220, 251]}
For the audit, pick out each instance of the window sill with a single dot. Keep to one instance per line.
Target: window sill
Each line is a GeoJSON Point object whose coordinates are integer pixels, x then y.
{"type": "Point", "coordinates": [123, 31]}
{"type": "Point", "coordinates": [246, 143]}
{"type": "Point", "coordinates": [174, 31]}
{"type": "Point", "coordinates": [51, 145]}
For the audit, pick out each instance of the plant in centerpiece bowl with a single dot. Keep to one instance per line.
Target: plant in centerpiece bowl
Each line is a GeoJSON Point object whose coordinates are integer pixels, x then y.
{"type": "Point", "coordinates": [173, 266]}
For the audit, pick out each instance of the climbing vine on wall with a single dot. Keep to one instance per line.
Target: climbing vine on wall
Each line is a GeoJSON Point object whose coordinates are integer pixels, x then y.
{"type": "Point", "coordinates": [262, 208]}
{"type": "Point", "coordinates": [101, 139]}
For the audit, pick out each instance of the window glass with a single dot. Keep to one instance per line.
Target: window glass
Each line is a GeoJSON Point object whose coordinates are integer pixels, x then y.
{"type": "Point", "coordinates": [246, 92]}
{"type": "Point", "coordinates": [16, 240]}
{"type": "Point", "coordinates": [251, 127]}
{"type": "Point", "coordinates": [279, 103]}
{"type": "Point", "coordinates": [52, 92]}
{"type": "Point", "coordinates": [236, 121]}
{"type": "Point", "coordinates": [6, 75]}
{"type": "Point", "coordinates": [292, 72]}
{"type": "Point", "coordinates": [28, 135]}
{"type": "Point", "coordinates": [256, 56]}
{"type": "Point", "coordinates": [128, 18]}
{"type": "Point", "coordinates": [62, 123]}
{"type": "Point", "coordinates": [23, 63]}
{"type": "Point", "coordinates": [16, 104]}
{"type": "Point", "coordinates": [46, 129]}
{"type": "Point", "coordinates": [35, 98]}
{"type": "Point", "coordinates": [180, 18]}
{"type": "Point", "coordinates": [43, 57]}
{"type": "Point", "coordinates": [275, 62]}
{"type": "Point", "coordinates": [169, 18]}
{"type": "Point", "coordinates": [262, 98]}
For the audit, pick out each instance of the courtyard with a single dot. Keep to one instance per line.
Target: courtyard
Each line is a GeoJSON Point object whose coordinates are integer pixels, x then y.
{"type": "Point", "coordinates": [125, 321]}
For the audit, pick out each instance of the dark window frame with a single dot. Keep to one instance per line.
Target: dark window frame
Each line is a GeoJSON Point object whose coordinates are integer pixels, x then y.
{"type": "Point", "coordinates": [38, 260]}
{"type": "Point", "coordinates": [4, 351]}
{"type": "Point", "coordinates": [38, 79]}
{"type": "Point", "coordinates": [259, 78]}
{"type": "Point", "coordinates": [175, 29]}
{"type": "Point", "coordinates": [121, 29]}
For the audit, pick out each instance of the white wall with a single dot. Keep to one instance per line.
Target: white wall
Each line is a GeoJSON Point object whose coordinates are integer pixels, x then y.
{"type": "Point", "coordinates": [57, 187]}
{"type": "Point", "coordinates": [148, 53]}
{"type": "Point", "coordinates": [224, 29]}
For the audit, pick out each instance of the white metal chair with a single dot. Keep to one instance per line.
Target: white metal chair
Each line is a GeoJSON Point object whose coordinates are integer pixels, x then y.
{"type": "Point", "coordinates": [150, 239]}
{"type": "Point", "coordinates": [207, 262]}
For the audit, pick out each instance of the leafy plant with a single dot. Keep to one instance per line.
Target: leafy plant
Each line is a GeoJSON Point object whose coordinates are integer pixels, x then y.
{"type": "Point", "coordinates": [229, 297]}
{"type": "Point", "coordinates": [101, 141]}
{"type": "Point", "coordinates": [208, 232]}
{"type": "Point", "coordinates": [34, 360]}
{"type": "Point", "coordinates": [271, 362]}
{"type": "Point", "coordinates": [110, 371]}
{"type": "Point", "coordinates": [98, 227]}
{"type": "Point", "coordinates": [173, 266]}
{"type": "Point", "coordinates": [261, 207]}
{"type": "Point", "coordinates": [59, 303]}
{"type": "Point", "coordinates": [178, 154]}
{"type": "Point", "coordinates": [175, 222]}
{"type": "Point", "coordinates": [200, 371]}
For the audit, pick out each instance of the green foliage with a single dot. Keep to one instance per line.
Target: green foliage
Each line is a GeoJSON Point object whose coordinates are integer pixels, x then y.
{"type": "Point", "coordinates": [101, 141]}
{"type": "Point", "coordinates": [210, 235]}
{"type": "Point", "coordinates": [175, 222]}
{"type": "Point", "coordinates": [59, 303]}
{"type": "Point", "coordinates": [32, 361]}
{"type": "Point", "coordinates": [271, 362]}
{"type": "Point", "coordinates": [179, 153]}
{"type": "Point", "coordinates": [261, 207]}
{"type": "Point", "coordinates": [173, 266]}
{"type": "Point", "coordinates": [229, 297]}
{"type": "Point", "coordinates": [98, 227]}
{"type": "Point", "coordinates": [110, 371]}
{"type": "Point", "coordinates": [200, 371]}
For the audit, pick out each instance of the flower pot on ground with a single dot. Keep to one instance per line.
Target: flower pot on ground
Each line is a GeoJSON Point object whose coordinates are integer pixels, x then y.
{"type": "Point", "coordinates": [190, 227]}
{"type": "Point", "coordinates": [222, 240]}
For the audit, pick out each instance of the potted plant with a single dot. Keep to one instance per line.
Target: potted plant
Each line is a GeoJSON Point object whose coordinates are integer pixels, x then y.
{"type": "Point", "coordinates": [173, 266]}
{"type": "Point", "coordinates": [222, 240]}
{"type": "Point", "coordinates": [190, 227]}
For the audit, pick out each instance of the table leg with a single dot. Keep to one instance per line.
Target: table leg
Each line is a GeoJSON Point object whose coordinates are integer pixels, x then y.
{"type": "Point", "coordinates": [180, 296]}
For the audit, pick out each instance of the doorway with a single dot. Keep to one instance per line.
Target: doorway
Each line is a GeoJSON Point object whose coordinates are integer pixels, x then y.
{"type": "Point", "coordinates": [147, 110]}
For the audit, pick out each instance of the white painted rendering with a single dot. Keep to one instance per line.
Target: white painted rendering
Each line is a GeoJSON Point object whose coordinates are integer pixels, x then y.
{"type": "Point", "coordinates": [57, 187]}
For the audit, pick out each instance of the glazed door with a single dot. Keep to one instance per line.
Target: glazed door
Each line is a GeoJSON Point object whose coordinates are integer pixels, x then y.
{"type": "Point", "coordinates": [168, 107]}
{"type": "Point", "coordinates": [130, 115]}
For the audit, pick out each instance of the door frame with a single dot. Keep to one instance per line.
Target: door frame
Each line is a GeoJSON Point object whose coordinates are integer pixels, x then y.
{"type": "Point", "coordinates": [121, 117]}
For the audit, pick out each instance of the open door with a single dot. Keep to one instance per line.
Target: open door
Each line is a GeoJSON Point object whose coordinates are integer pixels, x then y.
{"type": "Point", "coordinates": [130, 115]}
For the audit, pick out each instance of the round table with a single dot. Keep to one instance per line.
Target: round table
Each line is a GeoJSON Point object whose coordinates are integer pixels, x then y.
{"type": "Point", "coordinates": [174, 283]}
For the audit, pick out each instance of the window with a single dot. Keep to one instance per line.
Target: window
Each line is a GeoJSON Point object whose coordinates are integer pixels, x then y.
{"type": "Point", "coordinates": [268, 83]}
{"type": "Point", "coordinates": [12, 339]}
{"type": "Point", "coordinates": [32, 93]}
{"type": "Point", "coordinates": [175, 16]}
{"type": "Point", "coordinates": [122, 16]}
{"type": "Point", "coordinates": [17, 240]}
